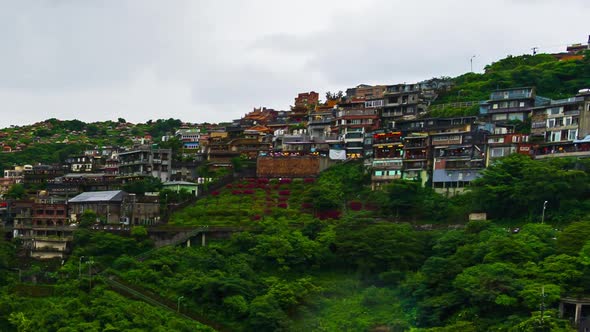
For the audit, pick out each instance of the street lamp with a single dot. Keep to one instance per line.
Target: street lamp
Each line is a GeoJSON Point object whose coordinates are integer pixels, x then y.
{"type": "Point", "coordinates": [471, 62]}
{"type": "Point", "coordinates": [80, 267]}
{"type": "Point", "coordinates": [178, 304]}
{"type": "Point", "coordinates": [543, 214]}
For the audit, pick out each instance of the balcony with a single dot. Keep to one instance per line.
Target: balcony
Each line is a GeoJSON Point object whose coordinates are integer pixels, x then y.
{"type": "Point", "coordinates": [415, 145]}
{"type": "Point", "coordinates": [388, 163]}
{"type": "Point", "coordinates": [459, 165]}
{"type": "Point", "coordinates": [356, 112]}
{"type": "Point", "coordinates": [564, 154]}
{"type": "Point", "coordinates": [411, 165]}
{"type": "Point", "coordinates": [320, 122]}
{"type": "Point", "coordinates": [377, 178]}
{"type": "Point", "coordinates": [416, 156]}
{"type": "Point", "coordinates": [510, 95]}
{"type": "Point", "coordinates": [448, 141]}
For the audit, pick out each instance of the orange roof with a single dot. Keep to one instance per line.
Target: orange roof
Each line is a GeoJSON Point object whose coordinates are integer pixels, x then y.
{"type": "Point", "coordinates": [262, 129]}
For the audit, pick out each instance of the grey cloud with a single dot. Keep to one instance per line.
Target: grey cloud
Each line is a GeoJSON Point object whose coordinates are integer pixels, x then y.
{"type": "Point", "coordinates": [215, 60]}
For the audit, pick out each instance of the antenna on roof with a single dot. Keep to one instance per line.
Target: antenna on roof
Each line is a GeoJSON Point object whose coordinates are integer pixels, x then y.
{"type": "Point", "coordinates": [534, 50]}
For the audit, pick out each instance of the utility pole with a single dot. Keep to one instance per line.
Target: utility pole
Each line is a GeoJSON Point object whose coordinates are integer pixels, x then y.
{"type": "Point", "coordinates": [534, 50]}
{"type": "Point", "coordinates": [471, 62]}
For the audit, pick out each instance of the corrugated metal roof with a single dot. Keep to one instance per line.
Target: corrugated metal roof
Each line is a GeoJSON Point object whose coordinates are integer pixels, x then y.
{"type": "Point", "coordinates": [99, 196]}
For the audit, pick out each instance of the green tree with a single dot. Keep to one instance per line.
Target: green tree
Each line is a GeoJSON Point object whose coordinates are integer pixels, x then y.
{"type": "Point", "coordinates": [16, 191]}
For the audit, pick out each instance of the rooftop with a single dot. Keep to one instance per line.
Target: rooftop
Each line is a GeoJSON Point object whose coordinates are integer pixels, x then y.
{"type": "Point", "coordinates": [99, 196]}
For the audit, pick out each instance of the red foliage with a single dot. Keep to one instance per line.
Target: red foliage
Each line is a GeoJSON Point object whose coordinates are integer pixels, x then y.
{"type": "Point", "coordinates": [248, 192]}
{"type": "Point", "coordinates": [282, 205]}
{"type": "Point", "coordinates": [229, 186]}
{"type": "Point", "coordinates": [263, 180]}
{"type": "Point", "coordinates": [256, 217]}
{"type": "Point", "coordinates": [285, 181]}
{"type": "Point", "coordinates": [283, 199]}
{"type": "Point", "coordinates": [215, 193]}
{"type": "Point", "coordinates": [309, 180]}
{"type": "Point", "coordinates": [236, 192]}
{"type": "Point", "coordinates": [355, 205]}
{"type": "Point", "coordinates": [333, 214]}
{"type": "Point", "coordinates": [285, 192]}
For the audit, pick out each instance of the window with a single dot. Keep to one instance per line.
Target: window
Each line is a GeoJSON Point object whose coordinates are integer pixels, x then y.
{"type": "Point", "coordinates": [497, 152]}
{"type": "Point", "coordinates": [495, 106]}
{"type": "Point", "coordinates": [516, 116]}
{"type": "Point", "coordinates": [499, 117]}
{"type": "Point", "coordinates": [551, 123]}
{"type": "Point", "coordinates": [568, 121]}
{"type": "Point", "coordinates": [555, 136]}
{"type": "Point", "coordinates": [378, 173]}
{"type": "Point", "coordinates": [572, 134]}
{"type": "Point", "coordinates": [521, 104]}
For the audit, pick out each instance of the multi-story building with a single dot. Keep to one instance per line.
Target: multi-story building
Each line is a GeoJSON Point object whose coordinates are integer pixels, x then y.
{"type": "Point", "coordinates": [145, 161]}
{"type": "Point", "coordinates": [72, 184]}
{"type": "Point", "coordinates": [507, 105]}
{"type": "Point", "coordinates": [387, 162]}
{"type": "Point", "coordinates": [38, 175]}
{"type": "Point", "coordinates": [190, 138]}
{"type": "Point", "coordinates": [365, 91]}
{"type": "Point", "coordinates": [458, 157]}
{"type": "Point", "coordinates": [307, 99]}
{"type": "Point", "coordinates": [80, 164]}
{"type": "Point", "coordinates": [416, 157]}
{"type": "Point", "coordinates": [505, 141]}
{"type": "Point", "coordinates": [404, 102]}
{"type": "Point", "coordinates": [320, 121]}
{"type": "Point", "coordinates": [44, 228]}
{"type": "Point", "coordinates": [562, 127]}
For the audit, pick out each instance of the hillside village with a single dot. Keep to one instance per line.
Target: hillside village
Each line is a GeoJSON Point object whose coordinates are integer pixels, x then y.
{"type": "Point", "coordinates": [121, 167]}
{"type": "Point", "coordinates": [363, 209]}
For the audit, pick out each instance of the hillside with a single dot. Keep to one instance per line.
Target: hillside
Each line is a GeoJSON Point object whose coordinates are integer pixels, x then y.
{"type": "Point", "coordinates": [53, 140]}
{"type": "Point", "coordinates": [553, 78]}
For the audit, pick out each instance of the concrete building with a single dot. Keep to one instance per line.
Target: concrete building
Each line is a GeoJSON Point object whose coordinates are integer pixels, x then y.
{"type": "Point", "coordinates": [507, 105]}
{"type": "Point", "coordinates": [562, 127]}
{"type": "Point", "coordinates": [307, 99]}
{"type": "Point", "coordinates": [145, 161]}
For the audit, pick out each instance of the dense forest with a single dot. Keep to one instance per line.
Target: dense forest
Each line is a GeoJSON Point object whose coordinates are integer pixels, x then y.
{"type": "Point", "coordinates": [336, 257]}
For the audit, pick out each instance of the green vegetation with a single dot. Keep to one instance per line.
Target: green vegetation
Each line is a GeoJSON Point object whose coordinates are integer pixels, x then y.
{"type": "Point", "coordinates": [49, 153]}
{"type": "Point", "coordinates": [52, 140]}
{"type": "Point", "coordinates": [552, 78]}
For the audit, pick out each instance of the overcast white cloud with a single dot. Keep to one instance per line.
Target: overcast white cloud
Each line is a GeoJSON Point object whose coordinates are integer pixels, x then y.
{"type": "Point", "coordinates": [215, 60]}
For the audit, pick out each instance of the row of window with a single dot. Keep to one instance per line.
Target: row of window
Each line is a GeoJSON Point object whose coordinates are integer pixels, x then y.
{"type": "Point", "coordinates": [508, 104]}
{"type": "Point", "coordinates": [562, 135]}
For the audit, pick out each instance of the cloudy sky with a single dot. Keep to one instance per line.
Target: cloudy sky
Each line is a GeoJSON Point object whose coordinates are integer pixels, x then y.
{"type": "Point", "coordinates": [213, 61]}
